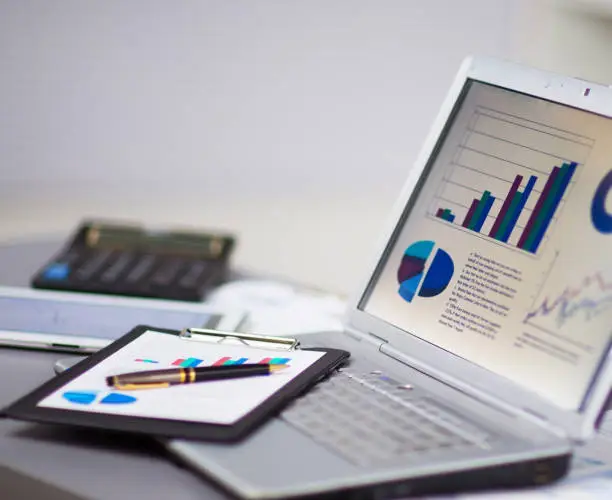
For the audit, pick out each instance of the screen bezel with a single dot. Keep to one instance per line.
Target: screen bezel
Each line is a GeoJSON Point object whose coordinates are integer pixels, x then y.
{"type": "Point", "coordinates": [460, 372]}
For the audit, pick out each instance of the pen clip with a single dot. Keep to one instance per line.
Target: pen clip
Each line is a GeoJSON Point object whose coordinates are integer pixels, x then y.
{"type": "Point", "coordinates": [248, 339]}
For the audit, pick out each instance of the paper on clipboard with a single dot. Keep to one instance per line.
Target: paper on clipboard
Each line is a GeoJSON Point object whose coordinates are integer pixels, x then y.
{"type": "Point", "coordinates": [219, 402]}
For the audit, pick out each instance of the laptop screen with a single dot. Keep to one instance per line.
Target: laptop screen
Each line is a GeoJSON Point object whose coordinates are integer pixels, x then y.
{"type": "Point", "coordinates": [503, 255]}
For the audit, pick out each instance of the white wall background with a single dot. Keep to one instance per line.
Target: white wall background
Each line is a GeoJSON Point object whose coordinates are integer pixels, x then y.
{"type": "Point", "coordinates": [292, 123]}
{"type": "Point", "coordinates": [572, 37]}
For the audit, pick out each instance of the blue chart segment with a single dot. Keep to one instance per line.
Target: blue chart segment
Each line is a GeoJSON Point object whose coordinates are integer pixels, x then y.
{"type": "Point", "coordinates": [116, 398]}
{"type": "Point", "coordinates": [411, 274]}
{"type": "Point", "coordinates": [509, 179]}
{"type": "Point", "coordinates": [602, 219]}
{"type": "Point", "coordinates": [438, 276]}
{"type": "Point", "coordinates": [80, 397]}
{"type": "Point", "coordinates": [89, 397]}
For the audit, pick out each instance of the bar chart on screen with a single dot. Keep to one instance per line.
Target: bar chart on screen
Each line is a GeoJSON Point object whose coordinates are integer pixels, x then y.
{"type": "Point", "coordinates": [509, 179]}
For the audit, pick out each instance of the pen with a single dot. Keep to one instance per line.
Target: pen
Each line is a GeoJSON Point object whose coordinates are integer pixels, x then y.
{"type": "Point", "coordinates": [157, 379]}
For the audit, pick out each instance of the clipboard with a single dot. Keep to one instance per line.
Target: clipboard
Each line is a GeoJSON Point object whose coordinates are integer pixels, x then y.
{"type": "Point", "coordinates": [50, 404]}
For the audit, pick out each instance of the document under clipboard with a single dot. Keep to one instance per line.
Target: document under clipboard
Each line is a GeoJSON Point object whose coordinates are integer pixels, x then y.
{"type": "Point", "coordinates": [216, 411]}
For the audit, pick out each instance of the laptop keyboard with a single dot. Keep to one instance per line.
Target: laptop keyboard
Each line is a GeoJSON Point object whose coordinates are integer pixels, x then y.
{"type": "Point", "coordinates": [371, 418]}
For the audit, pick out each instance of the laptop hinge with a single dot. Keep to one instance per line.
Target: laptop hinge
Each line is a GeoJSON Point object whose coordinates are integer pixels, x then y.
{"type": "Point", "coordinates": [379, 339]}
{"type": "Point", "coordinates": [468, 390]}
{"type": "Point", "coordinates": [376, 341]}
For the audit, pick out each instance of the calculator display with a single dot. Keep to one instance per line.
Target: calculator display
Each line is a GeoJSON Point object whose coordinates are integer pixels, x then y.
{"type": "Point", "coordinates": [208, 246]}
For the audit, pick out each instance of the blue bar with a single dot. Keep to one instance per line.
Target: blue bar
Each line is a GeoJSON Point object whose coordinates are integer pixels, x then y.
{"type": "Point", "coordinates": [519, 208]}
{"type": "Point", "coordinates": [451, 218]}
{"type": "Point", "coordinates": [480, 208]}
{"type": "Point", "coordinates": [241, 361]}
{"type": "Point", "coordinates": [484, 214]}
{"type": "Point", "coordinates": [191, 363]}
{"type": "Point", "coordinates": [551, 212]}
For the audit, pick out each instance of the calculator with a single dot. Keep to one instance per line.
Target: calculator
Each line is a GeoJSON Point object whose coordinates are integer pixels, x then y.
{"type": "Point", "coordinates": [128, 259]}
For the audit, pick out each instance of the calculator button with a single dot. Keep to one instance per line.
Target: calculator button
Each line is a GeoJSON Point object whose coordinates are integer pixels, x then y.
{"type": "Point", "coordinates": [167, 272]}
{"type": "Point", "coordinates": [193, 274]}
{"type": "Point", "coordinates": [140, 268]}
{"type": "Point", "coordinates": [115, 269]}
{"type": "Point", "coordinates": [93, 264]}
{"type": "Point", "coordinates": [57, 271]}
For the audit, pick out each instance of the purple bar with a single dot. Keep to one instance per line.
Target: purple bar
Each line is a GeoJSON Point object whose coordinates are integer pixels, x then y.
{"type": "Point", "coordinates": [545, 218]}
{"type": "Point", "coordinates": [466, 221]}
{"type": "Point", "coordinates": [439, 212]}
{"type": "Point", "coordinates": [538, 207]}
{"type": "Point", "coordinates": [507, 202]}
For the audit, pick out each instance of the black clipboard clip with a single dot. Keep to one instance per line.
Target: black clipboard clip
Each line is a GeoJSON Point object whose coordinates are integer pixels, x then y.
{"type": "Point", "coordinates": [248, 339]}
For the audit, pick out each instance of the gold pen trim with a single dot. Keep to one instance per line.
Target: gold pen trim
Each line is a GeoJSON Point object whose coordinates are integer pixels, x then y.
{"type": "Point", "coordinates": [275, 368]}
{"type": "Point", "coordinates": [131, 387]}
{"type": "Point", "coordinates": [192, 375]}
{"type": "Point", "coordinates": [183, 375]}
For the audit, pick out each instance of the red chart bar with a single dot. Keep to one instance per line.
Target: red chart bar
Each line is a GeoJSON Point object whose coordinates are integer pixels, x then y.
{"type": "Point", "coordinates": [439, 212]}
{"type": "Point", "coordinates": [178, 362]}
{"type": "Point", "coordinates": [506, 206]}
{"type": "Point", "coordinates": [221, 362]}
{"type": "Point", "coordinates": [468, 217]}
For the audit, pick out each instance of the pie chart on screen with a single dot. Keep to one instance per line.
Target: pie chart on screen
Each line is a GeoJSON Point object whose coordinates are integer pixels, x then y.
{"type": "Point", "coordinates": [425, 271]}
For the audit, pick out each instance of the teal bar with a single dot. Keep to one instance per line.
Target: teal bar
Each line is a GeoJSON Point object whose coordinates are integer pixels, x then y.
{"type": "Point", "coordinates": [516, 199]}
{"type": "Point", "coordinates": [279, 361]}
{"type": "Point", "coordinates": [550, 198]}
{"type": "Point", "coordinates": [554, 203]}
{"type": "Point", "coordinates": [481, 206]}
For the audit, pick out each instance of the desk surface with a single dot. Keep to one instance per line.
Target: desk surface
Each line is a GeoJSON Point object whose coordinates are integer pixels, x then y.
{"type": "Point", "coordinates": [91, 465]}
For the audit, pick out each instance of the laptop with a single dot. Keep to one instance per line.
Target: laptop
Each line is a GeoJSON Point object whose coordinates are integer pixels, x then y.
{"type": "Point", "coordinates": [480, 335]}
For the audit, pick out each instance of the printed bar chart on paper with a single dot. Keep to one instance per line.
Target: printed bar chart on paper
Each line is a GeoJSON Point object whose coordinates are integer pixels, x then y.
{"type": "Point", "coordinates": [225, 361]}
{"type": "Point", "coordinates": [187, 363]}
{"type": "Point", "coordinates": [275, 361]}
{"type": "Point", "coordinates": [238, 361]}
{"type": "Point", "coordinates": [509, 179]}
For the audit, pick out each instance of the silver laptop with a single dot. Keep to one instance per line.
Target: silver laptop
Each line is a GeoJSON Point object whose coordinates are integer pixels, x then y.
{"type": "Point", "coordinates": [480, 336]}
